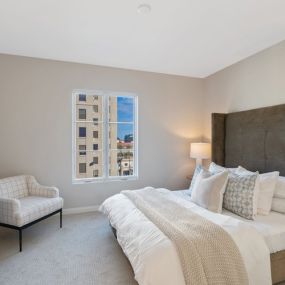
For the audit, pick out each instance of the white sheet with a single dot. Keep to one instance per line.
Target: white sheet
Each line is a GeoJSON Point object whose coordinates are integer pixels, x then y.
{"type": "Point", "coordinates": [271, 227]}
{"type": "Point", "coordinates": [153, 256]}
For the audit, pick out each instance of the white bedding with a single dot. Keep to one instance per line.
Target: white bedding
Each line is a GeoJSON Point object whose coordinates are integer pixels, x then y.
{"type": "Point", "coordinates": [153, 256]}
{"type": "Point", "coordinates": [271, 227]}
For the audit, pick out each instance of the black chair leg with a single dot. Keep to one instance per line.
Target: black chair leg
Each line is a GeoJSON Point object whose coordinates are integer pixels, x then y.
{"type": "Point", "coordinates": [61, 218]}
{"type": "Point", "coordinates": [20, 239]}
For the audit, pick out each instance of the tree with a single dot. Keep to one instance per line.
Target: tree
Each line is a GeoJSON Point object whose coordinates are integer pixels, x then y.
{"type": "Point", "coordinates": [128, 138]}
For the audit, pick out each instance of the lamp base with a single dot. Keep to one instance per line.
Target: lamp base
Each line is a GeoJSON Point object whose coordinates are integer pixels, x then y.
{"type": "Point", "coordinates": [198, 161]}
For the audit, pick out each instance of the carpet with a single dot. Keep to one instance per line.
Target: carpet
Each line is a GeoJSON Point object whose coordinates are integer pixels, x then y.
{"type": "Point", "coordinates": [83, 252]}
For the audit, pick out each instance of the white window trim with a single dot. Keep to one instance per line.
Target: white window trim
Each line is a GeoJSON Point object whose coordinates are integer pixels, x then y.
{"type": "Point", "coordinates": [105, 107]}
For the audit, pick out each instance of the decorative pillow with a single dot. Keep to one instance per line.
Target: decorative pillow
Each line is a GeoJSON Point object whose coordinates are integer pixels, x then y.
{"type": "Point", "coordinates": [267, 184]}
{"type": "Point", "coordinates": [196, 172]}
{"type": "Point", "coordinates": [209, 189]}
{"type": "Point", "coordinates": [278, 205]}
{"type": "Point", "coordinates": [280, 188]}
{"type": "Point", "coordinates": [214, 168]}
{"type": "Point", "coordinates": [240, 194]}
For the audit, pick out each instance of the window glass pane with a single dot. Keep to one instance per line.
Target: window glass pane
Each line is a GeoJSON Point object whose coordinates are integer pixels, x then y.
{"type": "Point", "coordinates": [121, 136]}
{"type": "Point", "coordinates": [85, 136]}
{"type": "Point", "coordinates": [82, 132]}
{"type": "Point", "coordinates": [89, 109]}
{"type": "Point", "coordinates": [121, 109]}
{"type": "Point", "coordinates": [82, 168]}
{"type": "Point", "coordinates": [81, 97]}
{"type": "Point", "coordinates": [121, 162]}
{"type": "Point", "coordinates": [95, 134]}
{"type": "Point", "coordinates": [82, 114]}
{"type": "Point", "coordinates": [88, 164]}
{"type": "Point", "coordinates": [89, 149]}
{"type": "Point", "coordinates": [95, 108]}
{"type": "Point", "coordinates": [83, 148]}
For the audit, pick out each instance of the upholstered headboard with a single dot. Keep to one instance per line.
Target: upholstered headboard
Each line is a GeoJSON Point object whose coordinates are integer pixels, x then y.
{"type": "Point", "coordinates": [254, 139]}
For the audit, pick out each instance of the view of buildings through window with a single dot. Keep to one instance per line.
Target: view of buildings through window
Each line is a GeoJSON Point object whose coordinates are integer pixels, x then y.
{"type": "Point", "coordinates": [92, 144]}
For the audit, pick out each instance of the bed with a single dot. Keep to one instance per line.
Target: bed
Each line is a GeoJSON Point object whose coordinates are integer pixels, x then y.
{"type": "Point", "coordinates": [254, 139]}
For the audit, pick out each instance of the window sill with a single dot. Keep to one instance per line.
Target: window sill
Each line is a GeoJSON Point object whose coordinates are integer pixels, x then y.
{"type": "Point", "coordinates": [104, 180]}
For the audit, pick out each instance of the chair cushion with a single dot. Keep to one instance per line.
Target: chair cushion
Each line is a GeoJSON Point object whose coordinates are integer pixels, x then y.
{"type": "Point", "coordinates": [14, 187]}
{"type": "Point", "coordinates": [34, 207]}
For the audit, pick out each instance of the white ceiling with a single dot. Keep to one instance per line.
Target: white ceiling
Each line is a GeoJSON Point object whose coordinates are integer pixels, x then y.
{"type": "Point", "coordinates": [184, 37]}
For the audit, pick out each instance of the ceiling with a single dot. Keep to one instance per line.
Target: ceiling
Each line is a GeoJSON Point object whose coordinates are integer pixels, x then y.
{"type": "Point", "coordinates": [184, 37]}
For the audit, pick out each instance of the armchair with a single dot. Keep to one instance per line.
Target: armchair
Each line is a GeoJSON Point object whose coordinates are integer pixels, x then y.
{"type": "Point", "coordinates": [24, 202]}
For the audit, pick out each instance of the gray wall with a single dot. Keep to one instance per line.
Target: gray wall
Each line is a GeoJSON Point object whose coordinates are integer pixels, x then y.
{"type": "Point", "coordinates": [255, 82]}
{"type": "Point", "coordinates": [35, 124]}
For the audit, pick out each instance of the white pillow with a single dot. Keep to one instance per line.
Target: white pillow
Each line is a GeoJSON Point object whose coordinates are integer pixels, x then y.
{"type": "Point", "coordinates": [196, 172]}
{"type": "Point", "coordinates": [215, 168]}
{"type": "Point", "coordinates": [267, 184]}
{"type": "Point", "coordinates": [280, 188]}
{"type": "Point", "coordinates": [278, 205]}
{"type": "Point", "coordinates": [209, 189]}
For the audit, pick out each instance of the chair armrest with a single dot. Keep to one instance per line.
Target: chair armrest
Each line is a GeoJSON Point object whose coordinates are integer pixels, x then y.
{"type": "Point", "coordinates": [9, 208]}
{"type": "Point", "coordinates": [35, 189]}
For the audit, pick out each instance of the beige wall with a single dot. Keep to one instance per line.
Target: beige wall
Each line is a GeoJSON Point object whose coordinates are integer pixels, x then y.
{"type": "Point", "coordinates": [255, 82]}
{"type": "Point", "coordinates": [36, 128]}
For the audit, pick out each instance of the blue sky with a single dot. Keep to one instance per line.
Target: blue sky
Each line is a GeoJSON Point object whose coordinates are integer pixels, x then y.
{"type": "Point", "coordinates": [125, 107]}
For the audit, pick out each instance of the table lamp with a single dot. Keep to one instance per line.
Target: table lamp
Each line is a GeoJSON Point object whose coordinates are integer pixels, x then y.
{"type": "Point", "coordinates": [200, 151]}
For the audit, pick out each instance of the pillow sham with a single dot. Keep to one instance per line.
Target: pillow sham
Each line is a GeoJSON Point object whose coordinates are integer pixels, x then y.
{"type": "Point", "coordinates": [280, 188]}
{"type": "Point", "coordinates": [241, 193]}
{"type": "Point", "coordinates": [209, 189]}
{"type": "Point", "coordinates": [198, 169]}
{"type": "Point", "coordinates": [267, 184]}
{"type": "Point", "coordinates": [218, 168]}
{"type": "Point", "coordinates": [278, 205]}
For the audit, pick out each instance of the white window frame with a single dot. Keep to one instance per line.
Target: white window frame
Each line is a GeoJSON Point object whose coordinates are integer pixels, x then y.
{"type": "Point", "coordinates": [105, 144]}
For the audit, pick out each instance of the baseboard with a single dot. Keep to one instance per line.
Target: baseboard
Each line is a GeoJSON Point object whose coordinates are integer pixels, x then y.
{"type": "Point", "coordinates": [80, 210]}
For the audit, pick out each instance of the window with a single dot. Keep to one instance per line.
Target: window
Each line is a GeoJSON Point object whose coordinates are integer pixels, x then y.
{"type": "Point", "coordinates": [82, 114]}
{"type": "Point", "coordinates": [82, 132]}
{"type": "Point", "coordinates": [109, 150]}
{"type": "Point", "coordinates": [82, 97]}
{"type": "Point", "coordinates": [82, 167]}
{"type": "Point", "coordinates": [95, 160]}
{"type": "Point", "coordinates": [95, 121]}
{"type": "Point", "coordinates": [95, 108]}
{"type": "Point", "coordinates": [82, 147]}
{"type": "Point", "coordinates": [95, 134]}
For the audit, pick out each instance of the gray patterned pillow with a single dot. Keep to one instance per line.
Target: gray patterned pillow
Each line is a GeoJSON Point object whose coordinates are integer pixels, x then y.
{"type": "Point", "coordinates": [240, 194]}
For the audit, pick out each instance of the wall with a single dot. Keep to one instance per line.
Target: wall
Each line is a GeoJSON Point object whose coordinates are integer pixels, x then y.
{"type": "Point", "coordinates": [35, 124]}
{"type": "Point", "coordinates": [255, 82]}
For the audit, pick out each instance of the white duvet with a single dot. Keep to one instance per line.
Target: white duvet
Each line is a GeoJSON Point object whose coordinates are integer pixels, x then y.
{"type": "Point", "coordinates": [153, 256]}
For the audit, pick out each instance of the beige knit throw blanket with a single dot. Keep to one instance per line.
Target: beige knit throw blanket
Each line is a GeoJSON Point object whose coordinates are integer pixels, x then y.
{"type": "Point", "coordinates": [207, 253]}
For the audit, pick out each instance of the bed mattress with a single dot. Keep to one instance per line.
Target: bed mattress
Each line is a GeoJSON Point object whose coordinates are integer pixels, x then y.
{"type": "Point", "coordinates": [271, 227]}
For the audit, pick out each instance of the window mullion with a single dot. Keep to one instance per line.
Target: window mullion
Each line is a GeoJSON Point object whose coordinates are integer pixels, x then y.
{"type": "Point", "coordinates": [106, 135]}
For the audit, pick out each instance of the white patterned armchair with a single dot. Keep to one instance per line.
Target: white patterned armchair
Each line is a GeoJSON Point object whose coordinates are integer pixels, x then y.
{"type": "Point", "coordinates": [23, 202]}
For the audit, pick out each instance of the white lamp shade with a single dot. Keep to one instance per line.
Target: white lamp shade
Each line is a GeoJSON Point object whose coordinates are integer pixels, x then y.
{"type": "Point", "coordinates": [200, 150]}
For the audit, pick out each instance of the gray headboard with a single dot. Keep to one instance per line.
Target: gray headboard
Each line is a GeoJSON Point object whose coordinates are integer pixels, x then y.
{"type": "Point", "coordinates": [254, 139]}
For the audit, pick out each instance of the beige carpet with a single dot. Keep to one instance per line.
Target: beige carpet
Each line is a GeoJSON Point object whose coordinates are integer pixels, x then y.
{"type": "Point", "coordinates": [83, 252]}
